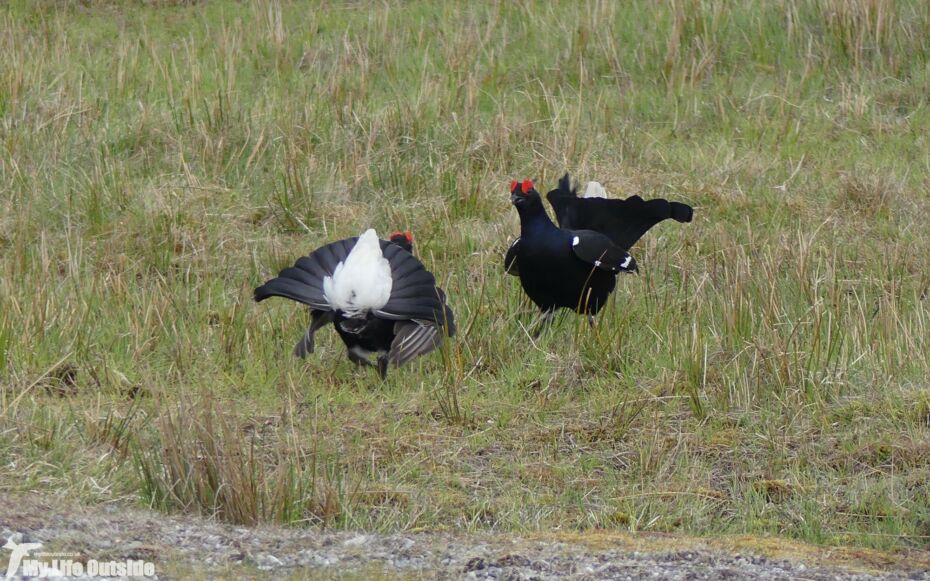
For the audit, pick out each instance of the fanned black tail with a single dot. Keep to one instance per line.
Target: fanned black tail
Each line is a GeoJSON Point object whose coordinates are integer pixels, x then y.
{"type": "Point", "coordinates": [413, 291]}
{"type": "Point", "coordinates": [291, 289]}
{"type": "Point", "coordinates": [303, 282]}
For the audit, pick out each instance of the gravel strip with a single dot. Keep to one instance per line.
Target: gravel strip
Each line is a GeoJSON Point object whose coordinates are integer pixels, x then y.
{"type": "Point", "coordinates": [209, 548]}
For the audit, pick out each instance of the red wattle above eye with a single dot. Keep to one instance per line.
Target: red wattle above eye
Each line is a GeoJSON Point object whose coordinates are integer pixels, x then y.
{"type": "Point", "coordinates": [513, 186]}
{"type": "Point", "coordinates": [527, 185]}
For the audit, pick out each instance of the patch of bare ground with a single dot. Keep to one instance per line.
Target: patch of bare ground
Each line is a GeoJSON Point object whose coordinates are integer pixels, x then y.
{"type": "Point", "coordinates": [190, 547]}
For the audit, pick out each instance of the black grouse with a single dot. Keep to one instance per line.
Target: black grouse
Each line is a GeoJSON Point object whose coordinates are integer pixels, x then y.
{"type": "Point", "coordinates": [320, 318]}
{"type": "Point", "coordinates": [561, 268]}
{"type": "Point", "coordinates": [623, 221]}
{"type": "Point", "coordinates": [380, 298]}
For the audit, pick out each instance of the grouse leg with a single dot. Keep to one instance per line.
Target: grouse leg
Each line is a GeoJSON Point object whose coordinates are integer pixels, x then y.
{"type": "Point", "coordinates": [543, 323]}
{"type": "Point", "coordinates": [306, 344]}
{"type": "Point", "coordinates": [359, 359]}
{"type": "Point", "coordinates": [383, 365]}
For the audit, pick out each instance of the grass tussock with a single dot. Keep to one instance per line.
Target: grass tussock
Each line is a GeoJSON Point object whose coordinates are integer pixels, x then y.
{"type": "Point", "coordinates": [764, 374]}
{"type": "Point", "coordinates": [199, 460]}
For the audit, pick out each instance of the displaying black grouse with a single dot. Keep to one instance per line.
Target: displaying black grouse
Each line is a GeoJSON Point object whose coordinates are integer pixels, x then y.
{"type": "Point", "coordinates": [623, 221]}
{"type": "Point", "coordinates": [561, 268]}
{"type": "Point", "coordinates": [380, 298]}
{"type": "Point", "coordinates": [320, 318]}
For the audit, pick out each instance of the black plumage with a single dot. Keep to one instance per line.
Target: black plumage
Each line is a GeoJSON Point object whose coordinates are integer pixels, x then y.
{"type": "Point", "coordinates": [412, 322]}
{"type": "Point", "coordinates": [623, 221]}
{"type": "Point", "coordinates": [562, 268]}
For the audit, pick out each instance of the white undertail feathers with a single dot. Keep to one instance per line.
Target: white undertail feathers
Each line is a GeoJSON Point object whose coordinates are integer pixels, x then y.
{"type": "Point", "coordinates": [595, 190]}
{"type": "Point", "coordinates": [361, 282]}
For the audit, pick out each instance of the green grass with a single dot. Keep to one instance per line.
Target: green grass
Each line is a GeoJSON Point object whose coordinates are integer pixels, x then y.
{"type": "Point", "coordinates": [766, 372]}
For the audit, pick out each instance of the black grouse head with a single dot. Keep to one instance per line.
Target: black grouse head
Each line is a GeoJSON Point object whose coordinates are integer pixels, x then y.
{"type": "Point", "coordinates": [403, 239]}
{"type": "Point", "coordinates": [524, 196]}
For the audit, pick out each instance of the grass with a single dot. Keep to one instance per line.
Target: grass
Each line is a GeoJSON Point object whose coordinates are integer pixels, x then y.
{"type": "Point", "coordinates": [766, 373]}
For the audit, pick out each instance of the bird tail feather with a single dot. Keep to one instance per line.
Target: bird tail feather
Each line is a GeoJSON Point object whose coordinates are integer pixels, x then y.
{"type": "Point", "coordinates": [303, 282]}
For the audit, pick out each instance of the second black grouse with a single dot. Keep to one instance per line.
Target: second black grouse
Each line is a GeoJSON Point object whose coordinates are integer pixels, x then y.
{"type": "Point", "coordinates": [561, 268]}
{"type": "Point", "coordinates": [623, 221]}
